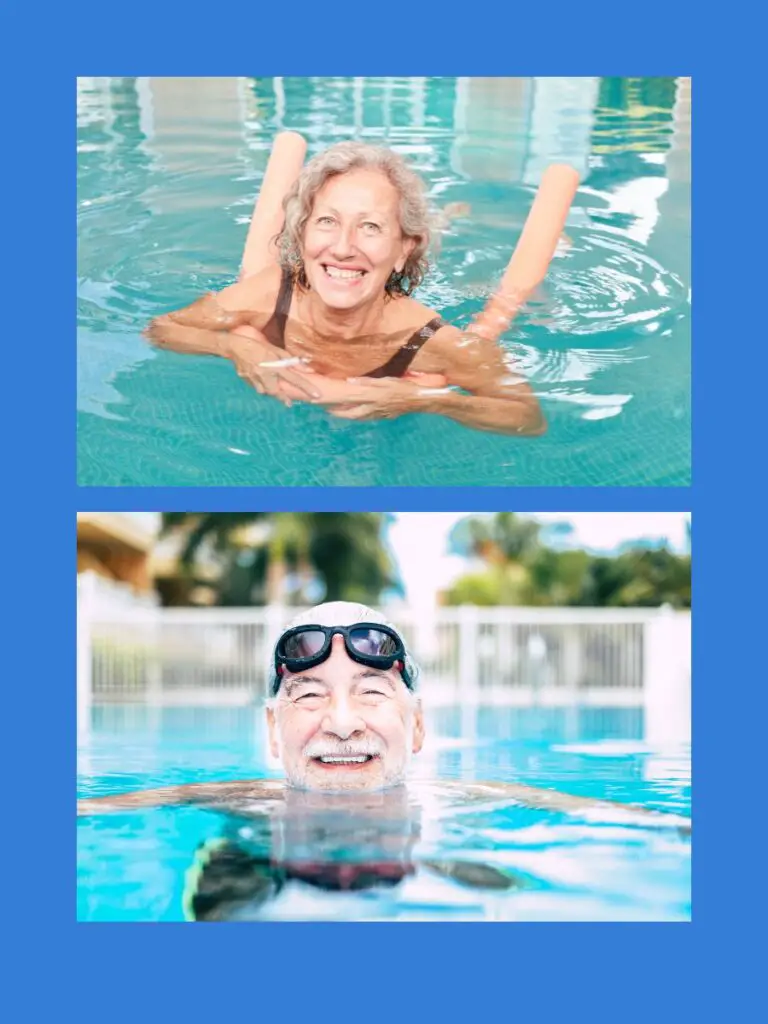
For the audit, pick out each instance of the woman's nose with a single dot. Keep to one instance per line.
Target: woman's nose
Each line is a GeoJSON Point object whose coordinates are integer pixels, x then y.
{"type": "Point", "coordinates": [343, 244]}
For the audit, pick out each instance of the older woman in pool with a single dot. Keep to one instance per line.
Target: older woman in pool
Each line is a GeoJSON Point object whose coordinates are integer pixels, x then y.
{"type": "Point", "coordinates": [328, 318]}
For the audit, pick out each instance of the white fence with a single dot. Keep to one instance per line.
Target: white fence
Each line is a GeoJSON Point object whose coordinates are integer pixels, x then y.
{"type": "Point", "coordinates": [469, 655]}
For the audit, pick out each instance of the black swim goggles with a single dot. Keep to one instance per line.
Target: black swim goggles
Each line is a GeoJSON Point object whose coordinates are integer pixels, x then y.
{"type": "Point", "coordinates": [368, 643]}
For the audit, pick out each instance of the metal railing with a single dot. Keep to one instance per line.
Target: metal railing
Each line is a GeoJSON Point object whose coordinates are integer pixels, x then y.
{"type": "Point", "coordinates": [547, 656]}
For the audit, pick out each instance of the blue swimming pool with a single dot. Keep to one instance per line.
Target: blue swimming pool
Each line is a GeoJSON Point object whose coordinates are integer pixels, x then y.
{"type": "Point", "coordinates": [486, 860]}
{"type": "Point", "coordinates": [168, 170]}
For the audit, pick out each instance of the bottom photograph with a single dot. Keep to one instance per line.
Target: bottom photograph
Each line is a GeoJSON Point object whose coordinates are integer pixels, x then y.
{"type": "Point", "coordinates": [417, 716]}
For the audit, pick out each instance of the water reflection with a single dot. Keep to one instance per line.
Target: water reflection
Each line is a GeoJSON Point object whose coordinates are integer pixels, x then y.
{"type": "Point", "coordinates": [288, 858]}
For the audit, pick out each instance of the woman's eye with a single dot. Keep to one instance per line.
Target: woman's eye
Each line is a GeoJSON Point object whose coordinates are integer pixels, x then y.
{"type": "Point", "coordinates": [325, 221]}
{"type": "Point", "coordinates": [371, 227]}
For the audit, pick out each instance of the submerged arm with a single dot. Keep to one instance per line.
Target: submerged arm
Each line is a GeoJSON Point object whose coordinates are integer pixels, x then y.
{"type": "Point", "coordinates": [169, 796]}
{"type": "Point", "coordinates": [554, 800]}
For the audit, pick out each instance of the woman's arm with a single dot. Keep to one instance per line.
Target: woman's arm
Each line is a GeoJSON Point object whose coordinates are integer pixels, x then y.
{"type": "Point", "coordinates": [203, 328]}
{"type": "Point", "coordinates": [285, 163]}
{"type": "Point", "coordinates": [228, 310]}
{"type": "Point", "coordinates": [225, 325]}
{"type": "Point", "coordinates": [499, 401]}
{"type": "Point", "coordinates": [172, 333]}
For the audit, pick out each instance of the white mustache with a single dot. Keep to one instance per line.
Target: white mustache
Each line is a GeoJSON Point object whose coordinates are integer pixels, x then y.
{"type": "Point", "coordinates": [344, 750]}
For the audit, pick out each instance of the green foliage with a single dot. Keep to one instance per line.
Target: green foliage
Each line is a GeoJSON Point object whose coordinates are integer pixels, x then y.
{"type": "Point", "coordinates": [521, 570]}
{"type": "Point", "coordinates": [297, 556]}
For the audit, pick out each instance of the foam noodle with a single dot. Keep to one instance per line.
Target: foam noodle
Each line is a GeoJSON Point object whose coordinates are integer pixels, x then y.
{"type": "Point", "coordinates": [283, 168]}
{"type": "Point", "coordinates": [533, 252]}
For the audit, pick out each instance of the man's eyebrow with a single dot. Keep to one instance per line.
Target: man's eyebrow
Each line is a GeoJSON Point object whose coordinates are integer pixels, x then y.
{"type": "Point", "coordinates": [378, 672]}
{"type": "Point", "coordinates": [295, 681]}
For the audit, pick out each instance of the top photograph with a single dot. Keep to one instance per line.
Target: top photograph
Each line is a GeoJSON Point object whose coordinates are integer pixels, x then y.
{"type": "Point", "coordinates": [379, 282]}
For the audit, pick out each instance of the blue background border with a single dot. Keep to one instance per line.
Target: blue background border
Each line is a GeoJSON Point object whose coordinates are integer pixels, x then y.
{"type": "Point", "coordinates": [434, 972]}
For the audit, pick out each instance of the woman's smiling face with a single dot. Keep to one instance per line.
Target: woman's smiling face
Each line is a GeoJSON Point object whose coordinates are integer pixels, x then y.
{"type": "Point", "coordinates": [353, 240]}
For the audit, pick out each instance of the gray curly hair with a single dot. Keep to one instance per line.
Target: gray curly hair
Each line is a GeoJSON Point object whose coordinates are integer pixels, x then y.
{"type": "Point", "coordinates": [338, 159]}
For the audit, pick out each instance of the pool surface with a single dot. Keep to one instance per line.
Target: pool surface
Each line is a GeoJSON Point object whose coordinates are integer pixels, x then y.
{"type": "Point", "coordinates": [431, 857]}
{"type": "Point", "coordinates": [168, 170]}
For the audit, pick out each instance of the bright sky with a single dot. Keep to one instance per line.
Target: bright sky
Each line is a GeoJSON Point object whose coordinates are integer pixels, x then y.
{"type": "Point", "coordinates": [419, 541]}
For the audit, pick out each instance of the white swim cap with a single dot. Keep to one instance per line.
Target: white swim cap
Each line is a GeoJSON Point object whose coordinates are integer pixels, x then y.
{"type": "Point", "coordinates": [340, 613]}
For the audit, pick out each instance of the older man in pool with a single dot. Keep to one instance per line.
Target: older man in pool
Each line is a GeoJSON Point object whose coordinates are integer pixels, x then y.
{"type": "Point", "coordinates": [344, 717]}
{"type": "Point", "coordinates": [344, 714]}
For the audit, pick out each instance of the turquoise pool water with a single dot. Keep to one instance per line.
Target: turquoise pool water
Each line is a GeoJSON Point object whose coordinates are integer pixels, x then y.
{"type": "Point", "coordinates": [168, 170]}
{"type": "Point", "coordinates": [491, 860]}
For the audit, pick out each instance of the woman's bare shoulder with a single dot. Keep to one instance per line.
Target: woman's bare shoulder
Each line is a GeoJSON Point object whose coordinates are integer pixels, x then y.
{"type": "Point", "coordinates": [257, 292]}
{"type": "Point", "coordinates": [406, 313]}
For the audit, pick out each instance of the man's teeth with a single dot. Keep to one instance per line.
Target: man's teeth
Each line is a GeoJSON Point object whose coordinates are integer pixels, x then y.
{"type": "Point", "coordinates": [338, 272]}
{"type": "Point", "coordinates": [346, 760]}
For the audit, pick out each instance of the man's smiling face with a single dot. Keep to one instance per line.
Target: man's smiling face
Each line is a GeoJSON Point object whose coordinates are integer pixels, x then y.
{"type": "Point", "coordinates": [343, 726]}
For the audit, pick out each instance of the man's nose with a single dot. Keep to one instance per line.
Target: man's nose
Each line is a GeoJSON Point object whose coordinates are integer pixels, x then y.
{"type": "Point", "coordinates": [341, 719]}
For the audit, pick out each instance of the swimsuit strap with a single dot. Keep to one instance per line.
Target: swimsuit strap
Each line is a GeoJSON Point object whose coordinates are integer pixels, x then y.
{"type": "Point", "coordinates": [274, 329]}
{"type": "Point", "coordinates": [398, 365]}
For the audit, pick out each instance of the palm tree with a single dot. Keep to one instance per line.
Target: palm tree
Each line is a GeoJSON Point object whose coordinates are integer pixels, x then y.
{"type": "Point", "coordinates": [503, 537]}
{"type": "Point", "coordinates": [287, 557]}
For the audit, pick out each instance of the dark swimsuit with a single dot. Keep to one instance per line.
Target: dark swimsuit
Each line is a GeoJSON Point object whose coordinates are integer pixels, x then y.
{"type": "Point", "coordinates": [396, 366]}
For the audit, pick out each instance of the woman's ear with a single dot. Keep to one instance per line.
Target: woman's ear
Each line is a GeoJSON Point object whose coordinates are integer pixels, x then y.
{"type": "Point", "coordinates": [409, 244]}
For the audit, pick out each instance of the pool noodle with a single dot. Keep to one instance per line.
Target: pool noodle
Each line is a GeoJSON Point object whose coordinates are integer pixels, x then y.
{"type": "Point", "coordinates": [283, 168]}
{"type": "Point", "coordinates": [534, 250]}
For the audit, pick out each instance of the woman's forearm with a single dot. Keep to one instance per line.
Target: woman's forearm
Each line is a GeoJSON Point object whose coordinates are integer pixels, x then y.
{"type": "Point", "coordinates": [167, 333]}
{"type": "Point", "coordinates": [203, 328]}
{"type": "Point", "coordinates": [520, 416]}
{"type": "Point", "coordinates": [208, 313]}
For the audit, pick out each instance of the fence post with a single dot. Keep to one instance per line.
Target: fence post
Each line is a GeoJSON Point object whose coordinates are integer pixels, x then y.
{"type": "Point", "coordinates": [84, 654]}
{"type": "Point", "coordinates": [667, 678]}
{"type": "Point", "coordinates": [469, 654]}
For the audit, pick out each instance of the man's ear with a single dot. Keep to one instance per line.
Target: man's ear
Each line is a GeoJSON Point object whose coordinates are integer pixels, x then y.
{"type": "Point", "coordinates": [418, 728]}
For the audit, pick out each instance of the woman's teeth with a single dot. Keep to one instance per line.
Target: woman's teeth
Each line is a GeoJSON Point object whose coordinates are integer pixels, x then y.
{"type": "Point", "coordinates": [343, 274]}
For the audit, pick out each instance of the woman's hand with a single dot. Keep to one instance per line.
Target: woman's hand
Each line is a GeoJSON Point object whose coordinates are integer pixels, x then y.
{"type": "Point", "coordinates": [271, 371]}
{"type": "Point", "coordinates": [374, 398]}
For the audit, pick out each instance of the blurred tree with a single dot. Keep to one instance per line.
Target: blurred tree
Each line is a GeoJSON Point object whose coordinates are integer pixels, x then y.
{"type": "Point", "coordinates": [502, 537]}
{"type": "Point", "coordinates": [287, 557]}
{"type": "Point", "coordinates": [498, 585]}
{"type": "Point", "coordinates": [557, 577]}
{"type": "Point", "coordinates": [521, 570]}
